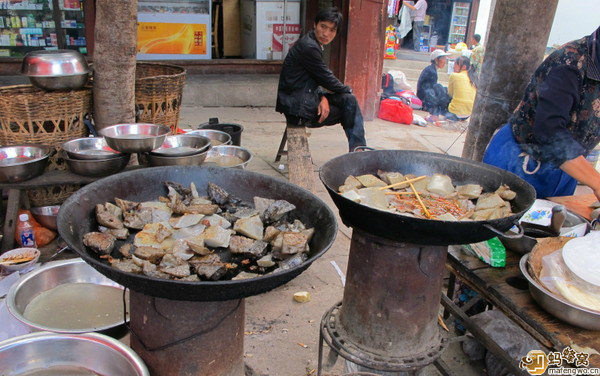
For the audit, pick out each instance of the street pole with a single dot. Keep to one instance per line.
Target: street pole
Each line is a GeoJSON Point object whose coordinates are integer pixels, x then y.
{"type": "Point", "coordinates": [516, 43]}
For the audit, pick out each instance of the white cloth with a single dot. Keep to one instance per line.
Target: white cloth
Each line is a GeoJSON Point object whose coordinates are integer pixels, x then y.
{"type": "Point", "coordinates": [405, 22]}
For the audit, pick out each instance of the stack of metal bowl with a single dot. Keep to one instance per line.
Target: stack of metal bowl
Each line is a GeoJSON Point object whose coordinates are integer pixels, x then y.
{"type": "Point", "coordinates": [91, 156]}
{"type": "Point", "coordinates": [182, 149]}
{"type": "Point", "coordinates": [56, 70]}
{"type": "Point", "coordinates": [228, 156]}
{"type": "Point", "coordinates": [135, 137]}
{"type": "Point", "coordinates": [22, 162]}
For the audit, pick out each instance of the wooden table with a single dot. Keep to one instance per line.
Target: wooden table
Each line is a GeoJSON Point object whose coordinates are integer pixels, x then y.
{"type": "Point", "coordinates": [15, 196]}
{"type": "Point", "coordinates": [579, 204]}
{"type": "Point", "coordinates": [519, 306]}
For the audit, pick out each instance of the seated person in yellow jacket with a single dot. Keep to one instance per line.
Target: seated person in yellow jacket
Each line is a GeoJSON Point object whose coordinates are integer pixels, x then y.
{"type": "Point", "coordinates": [462, 87]}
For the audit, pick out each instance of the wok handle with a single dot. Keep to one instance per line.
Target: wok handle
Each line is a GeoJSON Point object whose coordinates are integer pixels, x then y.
{"type": "Point", "coordinates": [518, 235]}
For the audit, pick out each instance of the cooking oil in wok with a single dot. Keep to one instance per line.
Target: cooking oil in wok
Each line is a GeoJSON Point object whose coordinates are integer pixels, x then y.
{"type": "Point", "coordinates": [61, 371]}
{"type": "Point", "coordinates": [77, 306]}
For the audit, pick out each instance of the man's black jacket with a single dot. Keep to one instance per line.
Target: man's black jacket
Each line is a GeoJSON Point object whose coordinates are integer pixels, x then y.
{"type": "Point", "coordinates": [302, 73]}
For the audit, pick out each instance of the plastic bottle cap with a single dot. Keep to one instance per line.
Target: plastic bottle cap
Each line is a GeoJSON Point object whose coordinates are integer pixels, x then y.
{"type": "Point", "coordinates": [23, 217]}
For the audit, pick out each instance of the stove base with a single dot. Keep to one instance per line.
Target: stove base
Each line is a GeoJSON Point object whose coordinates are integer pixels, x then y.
{"type": "Point", "coordinates": [343, 345]}
{"type": "Point", "coordinates": [177, 338]}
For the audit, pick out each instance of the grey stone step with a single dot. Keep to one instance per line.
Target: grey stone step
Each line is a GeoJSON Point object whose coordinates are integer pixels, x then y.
{"type": "Point", "coordinates": [413, 74]}
{"type": "Point", "coordinates": [231, 90]}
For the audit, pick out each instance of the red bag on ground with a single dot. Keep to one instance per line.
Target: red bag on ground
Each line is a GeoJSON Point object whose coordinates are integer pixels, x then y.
{"type": "Point", "coordinates": [396, 111]}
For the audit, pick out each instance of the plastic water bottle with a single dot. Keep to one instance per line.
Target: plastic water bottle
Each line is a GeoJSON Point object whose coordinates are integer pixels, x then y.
{"type": "Point", "coordinates": [25, 232]}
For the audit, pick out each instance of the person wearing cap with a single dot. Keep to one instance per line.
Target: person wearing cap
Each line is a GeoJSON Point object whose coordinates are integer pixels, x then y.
{"type": "Point", "coordinates": [556, 124]}
{"type": "Point", "coordinates": [304, 75]}
{"type": "Point", "coordinates": [434, 96]}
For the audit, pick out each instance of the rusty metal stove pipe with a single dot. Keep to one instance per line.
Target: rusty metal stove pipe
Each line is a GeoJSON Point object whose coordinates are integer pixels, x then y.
{"type": "Point", "coordinates": [392, 295]}
{"type": "Point", "coordinates": [214, 333]}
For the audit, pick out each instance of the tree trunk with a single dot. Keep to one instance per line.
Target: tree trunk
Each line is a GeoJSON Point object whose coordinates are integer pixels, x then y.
{"type": "Point", "coordinates": [516, 44]}
{"type": "Point", "coordinates": [114, 62]}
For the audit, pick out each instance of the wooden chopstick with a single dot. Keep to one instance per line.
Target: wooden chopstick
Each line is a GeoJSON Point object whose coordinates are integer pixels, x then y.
{"type": "Point", "coordinates": [408, 181]}
{"type": "Point", "coordinates": [401, 193]}
{"type": "Point", "coordinates": [427, 213]}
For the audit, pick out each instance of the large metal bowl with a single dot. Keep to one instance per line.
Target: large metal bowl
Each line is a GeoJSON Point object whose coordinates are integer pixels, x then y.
{"type": "Point", "coordinates": [216, 137]}
{"type": "Point", "coordinates": [186, 160]}
{"type": "Point", "coordinates": [46, 215]}
{"type": "Point", "coordinates": [19, 163]}
{"type": "Point", "coordinates": [49, 277]}
{"type": "Point", "coordinates": [97, 167]}
{"type": "Point", "coordinates": [222, 156]}
{"type": "Point", "coordinates": [56, 70]}
{"type": "Point", "coordinates": [181, 145]}
{"type": "Point", "coordinates": [89, 148]}
{"type": "Point", "coordinates": [136, 137]}
{"type": "Point", "coordinates": [60, 354]}
{"type": "Point", "coordinates": [558, 306]}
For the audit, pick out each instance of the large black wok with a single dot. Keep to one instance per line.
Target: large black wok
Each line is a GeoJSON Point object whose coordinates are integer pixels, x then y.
{"type": "Point", "coordinates": [423, 231]}
{"type": "Point", "coordinates": [77, 217]}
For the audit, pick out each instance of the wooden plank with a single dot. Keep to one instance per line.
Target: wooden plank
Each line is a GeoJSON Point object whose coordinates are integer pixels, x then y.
{"type": "Point", "coordinates": [519, 306]}
{"type": "Point", "coordinates": [51, 178]}
{"type": "Point", "coordinates": [579, 204]}
{"type": "Point", "coordinates": [301, 171]}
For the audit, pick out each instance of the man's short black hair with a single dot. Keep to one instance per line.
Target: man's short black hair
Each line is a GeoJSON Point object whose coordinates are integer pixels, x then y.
{"type": "Point", "coordinates": [477, 37]}
{"type": "Point", "coordinates": [329, 14]}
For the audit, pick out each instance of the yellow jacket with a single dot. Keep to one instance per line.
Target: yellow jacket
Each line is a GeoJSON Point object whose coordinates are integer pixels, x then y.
{"type": "Point", "coordinates": [462, 93]}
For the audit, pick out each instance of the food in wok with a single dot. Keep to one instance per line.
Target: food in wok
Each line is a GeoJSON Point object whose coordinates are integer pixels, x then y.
{"type": "Point", "coordinates": [185, 236]}
{"type": "Point", "coordinates": [429, 197]}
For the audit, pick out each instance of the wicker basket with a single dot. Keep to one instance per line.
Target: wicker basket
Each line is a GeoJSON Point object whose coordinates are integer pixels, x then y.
{"type": "Point", "coordinates": [29, 115]}
{"type": "Point", "coordinates": [158, 92]}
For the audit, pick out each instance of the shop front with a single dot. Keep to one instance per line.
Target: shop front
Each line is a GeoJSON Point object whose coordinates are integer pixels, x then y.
{"type": "Point", "coordinates": [447, 22]}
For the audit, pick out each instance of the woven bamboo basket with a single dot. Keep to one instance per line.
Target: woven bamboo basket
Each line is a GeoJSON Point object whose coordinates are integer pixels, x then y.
{"type": "Point", "coordinates": [29, 115]}
{"type": "Point", "coordinates": [158, 92]}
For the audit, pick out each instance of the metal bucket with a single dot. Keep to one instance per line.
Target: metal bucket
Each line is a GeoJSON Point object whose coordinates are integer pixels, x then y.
{"type": "Point", "coordinates": [233, 129]}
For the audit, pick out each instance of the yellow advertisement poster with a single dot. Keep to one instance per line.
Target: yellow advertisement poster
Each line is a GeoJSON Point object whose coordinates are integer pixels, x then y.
{"type": "Point", "coordinates": [171, 38]}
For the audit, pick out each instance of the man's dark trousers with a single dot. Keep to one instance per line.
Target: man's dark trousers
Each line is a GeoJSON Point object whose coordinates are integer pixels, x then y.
{"type": "Point", "coordinates": [344, 109]}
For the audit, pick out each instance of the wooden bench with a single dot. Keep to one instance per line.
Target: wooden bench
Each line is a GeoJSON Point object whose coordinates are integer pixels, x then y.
{"type": "Point", "coordinates": [300, 166]}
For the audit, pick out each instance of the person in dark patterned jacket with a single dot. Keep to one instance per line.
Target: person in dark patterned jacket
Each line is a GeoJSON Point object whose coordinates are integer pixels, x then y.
{"type": "Point", "coordinates": [556, 124]}
{"type": "Point", "coordinates": [300, 96]}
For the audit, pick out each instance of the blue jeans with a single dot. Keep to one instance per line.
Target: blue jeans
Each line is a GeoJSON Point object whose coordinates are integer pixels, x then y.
{"type": "Point", "coordinates": [503, 151]}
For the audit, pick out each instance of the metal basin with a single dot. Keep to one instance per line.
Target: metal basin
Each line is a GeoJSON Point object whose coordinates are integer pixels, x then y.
{"type": "Point", "coordinates": [186, 160]}
{"type": "Point", "coordinates": [51, 276]}
{"type": "Point", "coordinates": [216, 137]}
{"type": "Point", "coordinates": [558, 306]}
{"type": "Point", "coordinates": [77, 217]}
{"type": "Point", "coordinates": [181, 145]}
{"type": "Point", "coordinates": [46, 215]}
{"type": "Point", "coordinates": [97, 167]}
{"type": "Point", "coordinates": [19, 163]}
{"type": "Point", "coordinates": [228, 156]}
{"type": "Point", "coordinates": [89, 148]}
{"type": "Point", "coordinates": [136, 137]}
{"type": "Point", "coordinates": [56, 70]}
{"type": "Point", "coordinates": [60, 354]}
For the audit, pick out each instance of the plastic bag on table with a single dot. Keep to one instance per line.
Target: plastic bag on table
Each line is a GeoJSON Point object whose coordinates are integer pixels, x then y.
{"type": "Point", "coordinates": [558, 279]}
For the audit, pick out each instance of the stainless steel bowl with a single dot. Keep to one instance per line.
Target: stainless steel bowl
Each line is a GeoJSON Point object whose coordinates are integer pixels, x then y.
{"type": "Point", "coordinates": [216, 137]}
{"type": "Point", "coordinates": [60, 354]}
{"type": "Point", "coordinates": [182, 145]}
{"type": "Point", "coordinates": [97, 167]}
{"type": "Point", "coordinates": [222, 156]}
{"type": "Point", "coordinates": [89, 148]}
{"type": "Point", "coordinates": [186, 160]}
{"type": "Point", "coordinates": [22, 162]}
{"type": "Point", "coordinates": [56, 70]}
{"type": "Point", "coordinates": [136, 137]}
{"type": "Point", "coordinates": [50, 276]}
{"type": "Point", "coordinates": [46, 215]}
{"type": "Point", "coordinates": [557, 306]}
